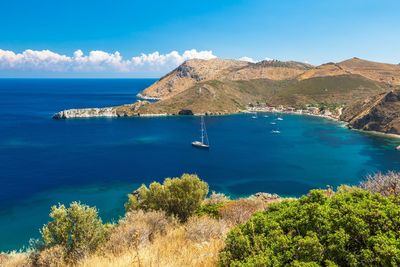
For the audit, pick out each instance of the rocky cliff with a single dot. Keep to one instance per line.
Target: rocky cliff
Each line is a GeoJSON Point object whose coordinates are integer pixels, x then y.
{"type": "Point", "coordinates": [380, 113]}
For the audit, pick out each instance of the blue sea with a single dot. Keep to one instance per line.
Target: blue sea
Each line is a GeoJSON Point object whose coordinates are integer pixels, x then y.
{"type": "Point", "coordinates": [99, 161]}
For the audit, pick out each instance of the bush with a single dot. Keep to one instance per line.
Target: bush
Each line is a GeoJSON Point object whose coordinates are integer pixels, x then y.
{"type": "Point", "coordinates": [216, 198]}
{"type": "Point", "coordinates": [203, 229]}
{"type": "Point", "coordinates": [351, 227]}
{"type": "Point", "coordinates": [386, 184]}
{"type": "Point", "coordinates": [239, 211]}
{"type": "Point", "coordinates": [77, 229]}
{"type": "Point", "coordinates": [50, 257]}
{"type": "Point", "coordinates": [211, 210]}
{"type": "Point", "coordinates": [176, 196]}
{"type": "Point", "coordinates": [136, 229]}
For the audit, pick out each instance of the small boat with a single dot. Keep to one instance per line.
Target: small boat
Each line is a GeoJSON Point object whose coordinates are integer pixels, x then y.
{"type": "Point", "coordinates": [265, 116]}
{"type": "Point", "coordinates": [204, 137]}
{"type": "Point", "coordinates": [254, 115]}
{"type": "Point", "coordinates": [398, 147]}
{"type": "Point", "coordinates": [279, 119]}
{"type": "Point", "coordinates": [273, 123]}
{"type": "Point", "coordinates": [275, 131]}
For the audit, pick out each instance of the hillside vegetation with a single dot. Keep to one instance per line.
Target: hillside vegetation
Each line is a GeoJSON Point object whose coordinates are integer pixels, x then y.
{"type": "Point", "coordinates": [170, 224]}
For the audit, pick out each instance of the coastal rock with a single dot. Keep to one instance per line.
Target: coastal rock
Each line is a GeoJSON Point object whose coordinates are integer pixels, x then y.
{"type": "Point", "coordinates": [86, 113]}
{"type": "Point", "coordinates": [265, 197]}
{"type": "Point", "coordinates": [185, 112]}
{"type": "Point", "coordinates": [118, 111]}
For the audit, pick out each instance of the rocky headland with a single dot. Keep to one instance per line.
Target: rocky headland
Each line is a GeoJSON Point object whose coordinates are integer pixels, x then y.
{"type": "Point", "coordinates": [364, 94]}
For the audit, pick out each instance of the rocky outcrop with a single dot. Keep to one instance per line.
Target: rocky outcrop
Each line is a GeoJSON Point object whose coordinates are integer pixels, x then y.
{"type": "Point", "coordinates": [86, 113]}
{"type": "Point", "coordinates": [185, 112]}
{"type": "Point", "coordinates": [380, 113]}
{"type": "Point", "coordinates": [118, 111]}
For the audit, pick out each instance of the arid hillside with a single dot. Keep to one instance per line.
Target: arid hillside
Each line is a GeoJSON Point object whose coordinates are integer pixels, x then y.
{"type": "Point", "coordinates": [197, 70]}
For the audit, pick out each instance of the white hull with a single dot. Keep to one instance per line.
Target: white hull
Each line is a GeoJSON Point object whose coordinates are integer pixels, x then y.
{"type": "Point", "coordinates": [199, 144]}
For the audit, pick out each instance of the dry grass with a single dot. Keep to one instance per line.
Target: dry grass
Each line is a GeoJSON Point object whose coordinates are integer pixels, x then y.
{"type": "Point", "coordinates": [137, 229]}
{"type": "Point", "coordinates": [175, 248]}
{"type": "Point", "coordinates": [203, 229]}
{"type": "Point", "coordinates": [14, 259]}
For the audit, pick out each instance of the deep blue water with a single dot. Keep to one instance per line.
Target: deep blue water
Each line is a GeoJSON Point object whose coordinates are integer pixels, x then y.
{"type": "Point", "coordinates": [99, 161]}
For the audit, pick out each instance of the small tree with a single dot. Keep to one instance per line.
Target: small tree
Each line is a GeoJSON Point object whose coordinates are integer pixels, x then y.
{"type": "Point", "coordinates": [77, 229]}
{"type": "Point", "coordinates": [179, 196]}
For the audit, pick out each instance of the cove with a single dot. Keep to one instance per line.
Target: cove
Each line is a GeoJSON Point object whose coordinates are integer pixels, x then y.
{"type": "Point", "coordinates": [98, 161]}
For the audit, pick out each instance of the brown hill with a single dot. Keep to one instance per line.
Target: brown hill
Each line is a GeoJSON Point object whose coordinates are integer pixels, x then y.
{"type": "Point", "coordinates": [329, 69]}
{"type": "Point", "coordinates": [223, 97]}
{"type": "Point", "coordinates": [196, 70]}
{"type": "Point", "coordinates": [387, 73]}
{"type": "Point", "coordinates": [382, 72]}
{"type": "Point", "coordinates": [188, 74]}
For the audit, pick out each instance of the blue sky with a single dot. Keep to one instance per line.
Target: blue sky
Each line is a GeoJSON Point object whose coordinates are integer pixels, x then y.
{"type": "Point", "coordinates": [304, 30]}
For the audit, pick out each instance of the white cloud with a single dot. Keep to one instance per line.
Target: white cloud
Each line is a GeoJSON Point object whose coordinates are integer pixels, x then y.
{"type": "Point", "coordinates": [95, 61]}
{"type": "Point", "coordinates": [248, 59]}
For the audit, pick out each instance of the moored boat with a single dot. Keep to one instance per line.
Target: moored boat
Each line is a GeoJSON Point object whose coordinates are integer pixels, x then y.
{"type": "Point", "coordinates": [204, 137]}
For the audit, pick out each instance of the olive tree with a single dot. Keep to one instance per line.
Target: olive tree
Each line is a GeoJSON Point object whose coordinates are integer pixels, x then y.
{"type": "Point", "coordinates": [77, 229]}
{"type": "Point", "coordinates": [179, 196]}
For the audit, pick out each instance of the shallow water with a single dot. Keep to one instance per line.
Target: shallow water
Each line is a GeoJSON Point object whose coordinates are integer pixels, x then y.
{"type": "Point", "coordinates": [99, 161]}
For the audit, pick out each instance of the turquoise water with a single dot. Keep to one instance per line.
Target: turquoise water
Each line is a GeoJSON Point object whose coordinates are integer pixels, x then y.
{"type": "Point", "coordinates": [99, 161]}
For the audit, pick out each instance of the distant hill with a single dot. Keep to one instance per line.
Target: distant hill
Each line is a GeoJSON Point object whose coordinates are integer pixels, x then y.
{"type": "Point", "coordinates": [223, 86]}
{"type": "Point", "coordinates": [386, 73]}
{"type": "Point", "coordinates": [194, 71]}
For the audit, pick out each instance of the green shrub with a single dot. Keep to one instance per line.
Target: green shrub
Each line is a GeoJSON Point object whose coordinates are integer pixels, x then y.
{"type": "Point", "coordinates": [211, 210]}
{"type": "Point", "coordinates": [77, 229]}
{"type": "Point", "coordinates": [176, 196]}
{"type": "Point", "coordinates": [351, 227]}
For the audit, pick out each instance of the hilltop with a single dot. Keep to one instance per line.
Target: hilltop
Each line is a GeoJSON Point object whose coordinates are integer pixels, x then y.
{"type": "Point", "coordinates": [223, 86]}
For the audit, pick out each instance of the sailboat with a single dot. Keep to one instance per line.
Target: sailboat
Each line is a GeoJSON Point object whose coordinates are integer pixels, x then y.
{"type": "Point", "coordinates": [254, 115]}
{"type": "Point", "coordinates": [204, 137]}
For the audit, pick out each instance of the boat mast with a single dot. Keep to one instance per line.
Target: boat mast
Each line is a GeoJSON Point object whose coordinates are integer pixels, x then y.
{"type": "Point", "coordinates": [202, 130]}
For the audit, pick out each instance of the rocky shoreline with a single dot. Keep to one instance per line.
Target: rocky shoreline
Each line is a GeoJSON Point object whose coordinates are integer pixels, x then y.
{"type": "Point", "coordinates": [315, 113]}
{"type": "Point", "coordinates": [86, 113]}
{"type": "Point", "coordinates": [310, 111]}
{"type": "Point", "coordinates": [132, 111]}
